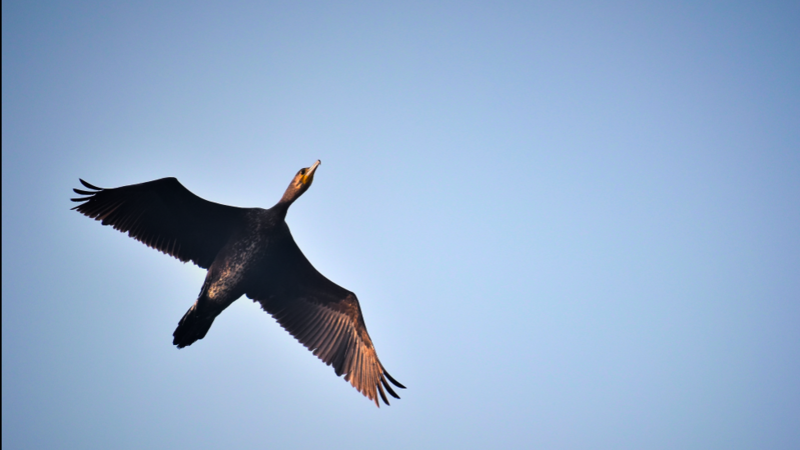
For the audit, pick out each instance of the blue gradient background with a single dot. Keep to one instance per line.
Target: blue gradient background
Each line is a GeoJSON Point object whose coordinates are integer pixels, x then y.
{"type": "Point", "coordinates": [570, 225]}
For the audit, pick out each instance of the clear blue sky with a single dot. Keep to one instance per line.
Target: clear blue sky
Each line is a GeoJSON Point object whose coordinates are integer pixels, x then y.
{"type": "Point", "coordinates": [570, 225]}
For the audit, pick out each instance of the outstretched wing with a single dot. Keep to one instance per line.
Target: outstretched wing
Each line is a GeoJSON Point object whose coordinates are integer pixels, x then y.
{"type": "Point", "coordinates": [164, 215]}
{"type": "Point", "coordinates": [323, 316]}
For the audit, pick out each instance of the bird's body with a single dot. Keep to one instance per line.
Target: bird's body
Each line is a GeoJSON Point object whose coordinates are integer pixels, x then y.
{"type": "Point", "coordinates": [247, 251]}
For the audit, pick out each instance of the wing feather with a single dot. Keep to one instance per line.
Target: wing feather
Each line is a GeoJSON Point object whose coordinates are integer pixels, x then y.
{"type": "Point", "coordinates": [322, 316]}
{"type": "Point", "coordinates": [164, 215]}
{"type": "Point", "coordinates": [330, 344]}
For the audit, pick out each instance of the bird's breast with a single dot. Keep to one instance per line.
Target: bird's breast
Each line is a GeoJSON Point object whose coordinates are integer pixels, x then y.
{"type": "Point", "coordinates": [235, 263]}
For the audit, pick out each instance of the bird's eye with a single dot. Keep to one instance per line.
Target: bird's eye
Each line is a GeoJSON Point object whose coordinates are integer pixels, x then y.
{"type": "Point", "coordinates": [302, 171]}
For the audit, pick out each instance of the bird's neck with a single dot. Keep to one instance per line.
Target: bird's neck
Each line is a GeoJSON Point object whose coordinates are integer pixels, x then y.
{"type": "Point", "coordinates": [282, 207]}
{"type": "Point", "coordinates": [292, 193]}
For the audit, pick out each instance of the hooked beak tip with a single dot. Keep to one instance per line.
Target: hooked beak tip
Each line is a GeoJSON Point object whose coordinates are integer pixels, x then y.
{"type": "Point", "coordinates": [313, 168]}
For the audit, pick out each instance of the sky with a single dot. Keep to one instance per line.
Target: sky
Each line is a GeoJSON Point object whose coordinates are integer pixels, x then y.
{"type": "Point", "coordinates": [570, 225]}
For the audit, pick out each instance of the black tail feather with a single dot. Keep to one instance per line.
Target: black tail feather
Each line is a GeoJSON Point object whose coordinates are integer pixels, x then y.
{"type": "Point", "coordinates": [192, 327]}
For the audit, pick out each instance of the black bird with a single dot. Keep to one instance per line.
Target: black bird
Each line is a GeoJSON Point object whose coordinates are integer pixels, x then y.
{"type": "Point", "coordinates": [247, 251]}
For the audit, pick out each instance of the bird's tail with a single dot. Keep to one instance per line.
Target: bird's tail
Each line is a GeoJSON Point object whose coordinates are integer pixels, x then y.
{"type": "Point", "coordinates": [192, 327]}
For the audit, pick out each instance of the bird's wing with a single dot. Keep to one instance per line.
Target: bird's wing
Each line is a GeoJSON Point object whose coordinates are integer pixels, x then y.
{"type": "Point", "coordinates": [323, 316]}
{"type": "Point", "coordinates": [164, 215]}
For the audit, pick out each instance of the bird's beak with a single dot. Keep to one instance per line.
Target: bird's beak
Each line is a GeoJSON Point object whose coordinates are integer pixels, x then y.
{"type": "Point", "coordinates": [309, 176]}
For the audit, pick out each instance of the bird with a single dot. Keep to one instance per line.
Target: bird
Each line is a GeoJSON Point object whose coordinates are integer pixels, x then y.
{"type": "Point", "coordinates": [251, 252]}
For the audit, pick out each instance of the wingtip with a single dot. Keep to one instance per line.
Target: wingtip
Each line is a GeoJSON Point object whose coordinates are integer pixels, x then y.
{"type": "Point", "coordinates": [383, 394]}
{"type": "Point", "coordinates": [395, 382]}
{"type": "Point", "coordinates": [388, 388]}
{"type": "Point", "coordinates": [89, 185]}
{"type": "Point", "coordinates": [90, 194]}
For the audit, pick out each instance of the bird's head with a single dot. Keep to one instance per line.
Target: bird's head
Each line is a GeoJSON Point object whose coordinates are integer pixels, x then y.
{"type": "Point", "coordinates": [300, 183]}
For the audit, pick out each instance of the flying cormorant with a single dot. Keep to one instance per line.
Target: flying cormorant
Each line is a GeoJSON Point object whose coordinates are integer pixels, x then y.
{"type": "Point", "coordinates": [247, 251]}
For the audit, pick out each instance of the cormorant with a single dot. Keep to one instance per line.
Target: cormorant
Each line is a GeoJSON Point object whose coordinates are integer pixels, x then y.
{"type": "Point", "coordinates": [247, 251]}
